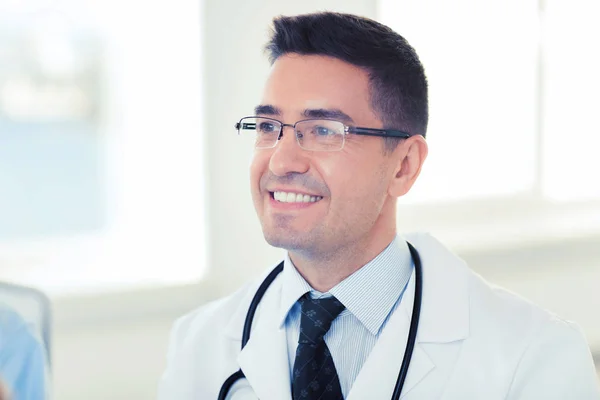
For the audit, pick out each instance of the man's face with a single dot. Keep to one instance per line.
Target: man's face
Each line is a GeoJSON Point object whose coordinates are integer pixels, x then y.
{"type": "Point", "coordinates": [350, 185]}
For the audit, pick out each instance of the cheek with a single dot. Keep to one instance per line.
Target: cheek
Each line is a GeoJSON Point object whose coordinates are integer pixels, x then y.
{"type": "Point", "coordinates": [358, 185]}
{"type": "Point", "coordinates": [258, 166]}
{"type": "Point", "coordinates": [346, 184]}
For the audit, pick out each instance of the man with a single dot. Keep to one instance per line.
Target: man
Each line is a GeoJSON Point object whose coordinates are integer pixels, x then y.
{"type": "Point", "coordinates": [339, 136]}
{"type": "Point", "coordinates": [22, 360]}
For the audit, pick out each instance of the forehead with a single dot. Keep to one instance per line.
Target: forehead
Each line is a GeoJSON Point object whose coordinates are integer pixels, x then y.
{"type": "Point", "coordinates": [300, 82]}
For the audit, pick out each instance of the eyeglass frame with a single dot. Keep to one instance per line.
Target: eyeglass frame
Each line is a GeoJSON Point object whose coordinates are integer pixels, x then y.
{"type": "Point", "coordinates": [356, 130]}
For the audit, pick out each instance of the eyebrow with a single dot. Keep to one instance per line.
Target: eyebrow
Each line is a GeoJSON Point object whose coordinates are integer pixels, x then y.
{"type": "Point", "coordinates": [266, 109]}
{"type": "Point", "coordinates": [327, 113]}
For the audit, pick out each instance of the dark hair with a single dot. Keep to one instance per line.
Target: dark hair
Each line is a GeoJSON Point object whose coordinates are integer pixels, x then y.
{"type": "Point", "coordinates": [398, 86]}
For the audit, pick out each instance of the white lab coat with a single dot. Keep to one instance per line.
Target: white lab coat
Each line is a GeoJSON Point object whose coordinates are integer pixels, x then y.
{"type": "Point", "coordinates": [475, 341]}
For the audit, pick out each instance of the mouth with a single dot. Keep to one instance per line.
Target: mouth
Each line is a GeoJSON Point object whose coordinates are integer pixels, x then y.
{"type": "Point", "coordinates": [294, 197]}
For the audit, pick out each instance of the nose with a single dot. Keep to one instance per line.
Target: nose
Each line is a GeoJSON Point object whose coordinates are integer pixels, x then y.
{"type": "Point", "coordinates": [288, 157]}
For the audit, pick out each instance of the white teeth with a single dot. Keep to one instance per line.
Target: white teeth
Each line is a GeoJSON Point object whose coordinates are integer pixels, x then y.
{"type": "Point", "coordinates": [288, 197]}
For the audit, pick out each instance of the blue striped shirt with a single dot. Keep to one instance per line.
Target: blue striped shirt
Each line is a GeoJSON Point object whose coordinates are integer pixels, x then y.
{"type": "Point", "coordinates": [370, 296]}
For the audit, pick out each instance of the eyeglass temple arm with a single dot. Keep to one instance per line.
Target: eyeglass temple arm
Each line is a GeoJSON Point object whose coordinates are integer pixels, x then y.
{"type": "Point", "coordinates": [379, 132]}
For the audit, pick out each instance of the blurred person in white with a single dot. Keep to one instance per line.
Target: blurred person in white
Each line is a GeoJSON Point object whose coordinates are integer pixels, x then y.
{"type": "Point", "coordinates": [23, 372]}
{"type": "Point", "coordinates": [331, 158]}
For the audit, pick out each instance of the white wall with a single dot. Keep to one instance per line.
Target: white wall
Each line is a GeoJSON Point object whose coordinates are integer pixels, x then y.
{"type": "Point", "coordinates": [113, 346]}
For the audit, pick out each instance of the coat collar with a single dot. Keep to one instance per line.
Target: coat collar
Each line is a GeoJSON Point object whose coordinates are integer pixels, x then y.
{"type": "Point", "coordinates": [445, 305]}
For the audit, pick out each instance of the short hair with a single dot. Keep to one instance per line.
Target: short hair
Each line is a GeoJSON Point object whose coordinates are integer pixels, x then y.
{"type": "Point", "coordinates": [397, 81]}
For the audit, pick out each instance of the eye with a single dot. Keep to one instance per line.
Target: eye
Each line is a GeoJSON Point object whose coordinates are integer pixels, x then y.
{"type": "Point", "coordinates": [266, 127]}
{"type": "Point", "coordinates": [322, 131]}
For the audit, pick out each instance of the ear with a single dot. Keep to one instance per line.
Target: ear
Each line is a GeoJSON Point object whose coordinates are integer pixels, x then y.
{"type": "Point", "coordinates": [409, 157]}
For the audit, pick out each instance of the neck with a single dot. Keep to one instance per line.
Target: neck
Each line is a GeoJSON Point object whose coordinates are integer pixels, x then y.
{"type": "Point", "coordinates": [324, 271]}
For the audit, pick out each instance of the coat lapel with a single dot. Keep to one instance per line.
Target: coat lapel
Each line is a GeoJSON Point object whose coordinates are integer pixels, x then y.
{"type": "Point", "coordinates": [264, 360]}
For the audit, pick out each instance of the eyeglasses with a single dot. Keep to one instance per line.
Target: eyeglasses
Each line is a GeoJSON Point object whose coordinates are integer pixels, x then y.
{"type": "Point", "coordinates": [311, 134]}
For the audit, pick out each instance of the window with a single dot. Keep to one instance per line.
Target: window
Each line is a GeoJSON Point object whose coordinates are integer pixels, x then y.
{"type": "Point", "coordinates": [571, 98]}
{"type": "Point", "coordinates": [100, 119]}
{"type": "Point", "coordinates": [513, 137]}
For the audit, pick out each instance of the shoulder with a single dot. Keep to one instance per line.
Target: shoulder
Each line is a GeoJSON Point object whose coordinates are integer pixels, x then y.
{"type": "Point", "coordinates": [493, 312]}
{"type": "Point", "coordinates": [22, 356]}
{"type": "Point", "coordinates": [15, 333]}
{"type": "Point", "coordinates": [10, 323]}
{"type": "Point", "coordinates": [204, 344]}
{"type": "Point", "coordinates": [539, 349]}
{"type": "Point", "coordinates": [494, 307]}
{"type": "Point", "coordinates": [217, 320]}
{"type": "Point", "coordinates": [213, 315]}
{"type": "Point", "coordinates": [505, 335]}
{"type": "Point", "coordinates": [219, 314]}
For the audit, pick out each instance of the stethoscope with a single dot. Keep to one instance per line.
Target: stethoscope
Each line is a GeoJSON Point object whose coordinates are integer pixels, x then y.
{"type": "Point", "coordinates": [410, 344]}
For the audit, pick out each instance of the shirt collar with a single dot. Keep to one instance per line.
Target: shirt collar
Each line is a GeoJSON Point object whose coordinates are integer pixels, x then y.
{"type": "Point", "coordinates": [369, 294]}
{"type": "Point", "coordinates": [293, 287]}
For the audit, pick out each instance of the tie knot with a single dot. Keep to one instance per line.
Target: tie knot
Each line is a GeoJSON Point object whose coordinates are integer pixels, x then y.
{"type": "Point", "coordinates": [317, 316]}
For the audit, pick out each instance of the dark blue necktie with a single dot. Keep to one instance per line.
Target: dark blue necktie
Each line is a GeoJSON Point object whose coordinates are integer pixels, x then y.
{"type": "Point", "coordinates": [314, 375]}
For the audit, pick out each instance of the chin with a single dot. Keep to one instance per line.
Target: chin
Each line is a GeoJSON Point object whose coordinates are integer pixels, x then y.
{"type": "Point", "coordinates": [285, 241]}
{"type": "Point", "coordinates": [279, 241]}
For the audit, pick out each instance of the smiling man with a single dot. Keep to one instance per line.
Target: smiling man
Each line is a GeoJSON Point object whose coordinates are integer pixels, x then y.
{"type": "Point", "coordinates": [353, 179]}
{"type": "Point", "coordinates": [338, 137]}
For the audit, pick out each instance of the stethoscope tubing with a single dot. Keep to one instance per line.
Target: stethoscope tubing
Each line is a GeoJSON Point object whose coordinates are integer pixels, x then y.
{"type": "Point", "coordinates": [414, 323]}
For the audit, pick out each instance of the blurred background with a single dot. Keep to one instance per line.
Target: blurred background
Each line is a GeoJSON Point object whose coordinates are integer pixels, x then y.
{"type": "Point", "coordinates": [124, 195]}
